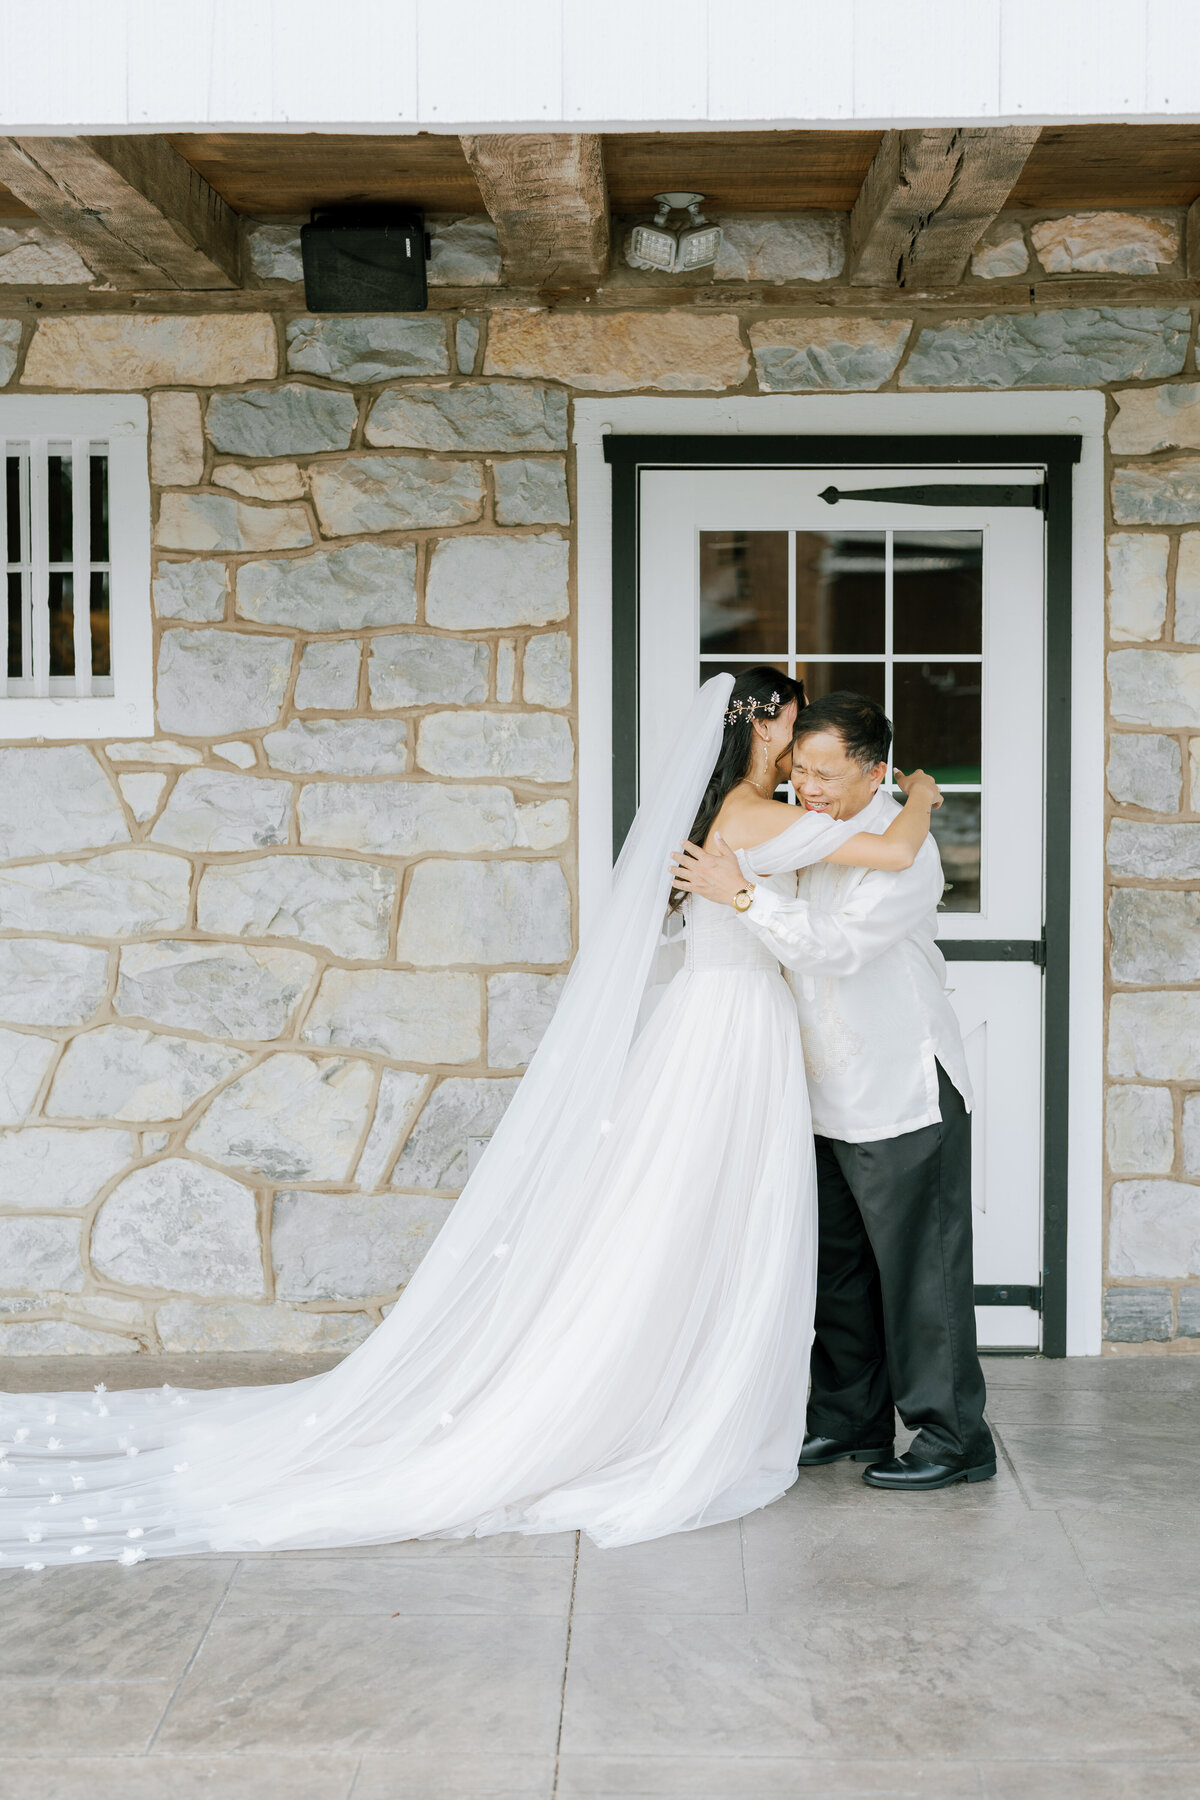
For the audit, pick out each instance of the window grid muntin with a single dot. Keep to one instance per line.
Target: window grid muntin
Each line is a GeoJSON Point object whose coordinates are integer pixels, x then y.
{"type": "Point", "coordinates": [791, 573]}
{"type": "Point", "coordinates": [889, 695]}
{"type": "Point", "coordinates": [34, 567]}
{"type": "Point", "coordinates": [889, 658]}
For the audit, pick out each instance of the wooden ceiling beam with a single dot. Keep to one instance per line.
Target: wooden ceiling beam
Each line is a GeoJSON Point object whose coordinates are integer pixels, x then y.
{"type": "Point", "coordinates": [928, 197]}
{"type": "Point", "coordinates": [547, 196]}
{"type": "Point", "coordinates": [1191, 239]}
{"type": "Point", "coordinates": [137, 213]}
{"type": "Point", "coordinates": [798, 301]}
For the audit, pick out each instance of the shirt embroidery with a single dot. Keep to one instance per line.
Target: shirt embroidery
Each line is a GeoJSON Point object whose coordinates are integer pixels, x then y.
{"type": "Point", "coordinates": [830, 1041]}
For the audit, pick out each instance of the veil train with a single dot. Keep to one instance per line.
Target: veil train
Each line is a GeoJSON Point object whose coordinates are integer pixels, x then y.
{"type": "Point", "coordinates": [434, 1425]}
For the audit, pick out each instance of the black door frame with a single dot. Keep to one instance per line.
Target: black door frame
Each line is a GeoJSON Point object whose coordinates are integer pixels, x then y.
{"type": "Point", "coordinates": [1057, 454]}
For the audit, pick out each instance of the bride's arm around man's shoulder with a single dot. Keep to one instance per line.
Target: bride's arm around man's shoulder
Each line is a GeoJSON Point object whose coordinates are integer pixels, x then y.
{"type": "Point", "coordinates": [816, 836]}
{"type": "Point", "coordinates": [892, 903]}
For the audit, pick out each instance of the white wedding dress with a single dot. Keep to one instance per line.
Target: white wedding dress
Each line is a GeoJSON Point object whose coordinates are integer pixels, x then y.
{"type": "Point", "coordinates": [611, 1333]}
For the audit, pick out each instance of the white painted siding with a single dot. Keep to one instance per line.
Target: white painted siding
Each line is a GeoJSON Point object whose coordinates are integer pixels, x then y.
{"type": "Point", "coordinates": [421, 64]}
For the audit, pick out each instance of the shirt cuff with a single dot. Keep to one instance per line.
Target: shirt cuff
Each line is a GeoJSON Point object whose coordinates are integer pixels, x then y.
{"type": "Point", "coordinates": [765, 907]}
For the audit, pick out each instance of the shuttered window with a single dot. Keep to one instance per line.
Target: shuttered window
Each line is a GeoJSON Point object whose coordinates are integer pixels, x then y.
{"type": "Point", "coordinates": [74, 528]}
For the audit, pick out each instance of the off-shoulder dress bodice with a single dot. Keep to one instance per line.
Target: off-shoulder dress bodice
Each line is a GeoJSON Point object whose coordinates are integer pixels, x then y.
{"type": "Point", "coordinates": [717, 939]}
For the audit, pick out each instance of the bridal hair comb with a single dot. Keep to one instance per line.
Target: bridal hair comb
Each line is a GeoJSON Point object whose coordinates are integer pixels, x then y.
{"type": "Point", "coordinates": [750, 709]}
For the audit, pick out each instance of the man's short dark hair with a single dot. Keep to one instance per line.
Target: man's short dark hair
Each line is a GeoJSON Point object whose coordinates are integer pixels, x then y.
{"type": "Point", "coordinates": [862, 725]}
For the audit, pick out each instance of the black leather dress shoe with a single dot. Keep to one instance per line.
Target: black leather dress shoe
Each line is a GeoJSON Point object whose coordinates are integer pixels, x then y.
{"type": "Point", "coordinates": [908, 1474]}
{"type": "Point", "coordinates": [819, 1450]}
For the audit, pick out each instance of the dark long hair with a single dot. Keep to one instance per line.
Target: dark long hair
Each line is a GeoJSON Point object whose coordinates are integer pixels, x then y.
{"type": "Point", "coordinates": [772, 692]}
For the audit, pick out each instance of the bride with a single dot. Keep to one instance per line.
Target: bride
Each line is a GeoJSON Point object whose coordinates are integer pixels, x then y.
{"type": "Point", "coordinates": [611, 1333]}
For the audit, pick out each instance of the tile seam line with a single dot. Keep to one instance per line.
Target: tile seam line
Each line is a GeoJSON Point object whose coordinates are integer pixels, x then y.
{"type": "Point", "coordinates": [562, 1696]}
{"type": "Point", "coordinates": [1120, 1759]}
{"type": "Point", "coordinates": [1011, 1465]}
{"type": "Point", "coordinates": [187, 1669]}
{"type": "Point", "coordinates": [23, 1681]}
{"type": "Point", "coordinates": [1065, 1528]}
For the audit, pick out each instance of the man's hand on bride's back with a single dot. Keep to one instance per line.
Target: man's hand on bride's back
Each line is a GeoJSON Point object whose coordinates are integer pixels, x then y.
{"type": "Point", "coordinates": [713, 874]}
{"type": "Point", "coordinates": [919, 785]}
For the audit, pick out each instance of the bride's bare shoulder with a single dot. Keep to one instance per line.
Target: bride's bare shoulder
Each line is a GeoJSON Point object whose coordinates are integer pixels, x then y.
{"type": "Point", "coordinates": [746, 820]}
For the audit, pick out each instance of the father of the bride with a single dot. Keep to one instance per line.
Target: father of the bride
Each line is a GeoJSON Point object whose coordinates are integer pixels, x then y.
{"type": "Point", "coordinates": [895, 1319]}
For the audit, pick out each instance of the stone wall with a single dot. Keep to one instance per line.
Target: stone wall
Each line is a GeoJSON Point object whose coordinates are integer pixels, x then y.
{"type": "Point", "coordinates": [1152, 1126]}
{"type": "Point", "coordinates": [264, 976]}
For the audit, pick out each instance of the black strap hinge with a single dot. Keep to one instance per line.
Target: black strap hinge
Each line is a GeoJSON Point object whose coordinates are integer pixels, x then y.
{"type": "Point", "coordinates": [947, 494]}
{"type": "Point", "coordinates": [1012, 1294]}
{"type": "Point", "coordinates": [994, 950]}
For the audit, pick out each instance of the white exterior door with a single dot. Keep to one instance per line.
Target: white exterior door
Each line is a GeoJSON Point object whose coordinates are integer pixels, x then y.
{"type": "Point", "coordinates": [936, 611]}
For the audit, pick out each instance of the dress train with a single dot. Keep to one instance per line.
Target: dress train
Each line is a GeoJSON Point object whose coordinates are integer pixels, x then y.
{"type": "Point", "coordinates": [610, 1333]}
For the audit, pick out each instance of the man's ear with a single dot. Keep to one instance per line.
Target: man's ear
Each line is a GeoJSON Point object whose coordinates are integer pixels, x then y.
{"type": "Point", "coordinates": [877, 774]}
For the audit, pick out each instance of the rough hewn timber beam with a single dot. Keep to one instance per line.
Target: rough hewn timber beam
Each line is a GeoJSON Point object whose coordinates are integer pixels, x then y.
{"type": "Point", "coordinates": [1192, 239]}
{"type": "Point", "coordinates": [927, 199]}
{"type": "Point", "coordinates": [136, 212]}
{"type": "Point", "coordinates": [547, 195]}
{"type": "Point", "coordinates": [928, 305]}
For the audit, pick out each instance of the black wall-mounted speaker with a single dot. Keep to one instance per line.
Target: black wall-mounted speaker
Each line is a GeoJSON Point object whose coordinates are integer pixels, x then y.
{"type": "Point", "coordinates": [365, 259]}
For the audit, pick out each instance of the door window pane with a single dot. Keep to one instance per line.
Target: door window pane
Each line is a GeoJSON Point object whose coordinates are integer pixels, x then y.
{"type": "Point", "coordinates": [724, 665]}
{"type": "Point", "coordinates": [937, 583]}
{"type": "Point", "coordinates": [955, 826]}
{"type": "Point", "coordinates": [937, 719]}
{"type": "Point", "coordinates": [841, 600]}
{"type": "Point", "coordinates": [744, 593]}
{"type": "Point", "coordinates": [821, 678]}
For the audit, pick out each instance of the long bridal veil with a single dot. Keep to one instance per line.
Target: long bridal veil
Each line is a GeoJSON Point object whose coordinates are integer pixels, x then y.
{"type": "Point", "coordinates": [433, 1424]}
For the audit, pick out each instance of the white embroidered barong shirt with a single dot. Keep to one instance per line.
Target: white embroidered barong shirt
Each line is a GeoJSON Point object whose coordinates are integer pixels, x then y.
{"type": "Point", "coordinates": [869, 979]}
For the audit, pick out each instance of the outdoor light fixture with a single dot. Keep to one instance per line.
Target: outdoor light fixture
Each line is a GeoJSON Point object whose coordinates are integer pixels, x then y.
{"type": "Point", "coordinates": [365, 259]}
{"type": "Point", "coordinates": [689, 245]}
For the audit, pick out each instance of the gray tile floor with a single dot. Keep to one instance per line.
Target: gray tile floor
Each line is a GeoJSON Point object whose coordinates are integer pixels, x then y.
{"type": "Point", "coordinates": [1031, 1637]}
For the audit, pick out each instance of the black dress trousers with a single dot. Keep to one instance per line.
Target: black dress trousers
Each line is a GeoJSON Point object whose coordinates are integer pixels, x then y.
{"type": "Point", "coordinates": [895, 1324]}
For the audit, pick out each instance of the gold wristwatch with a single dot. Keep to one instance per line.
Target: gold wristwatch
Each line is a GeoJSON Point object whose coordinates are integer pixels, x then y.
{"type": "Point", "coordinates": [743, 900]}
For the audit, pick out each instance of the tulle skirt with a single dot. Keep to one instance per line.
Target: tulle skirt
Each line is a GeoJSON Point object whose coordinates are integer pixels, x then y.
{"type": "Point", "coordinates": [639, 1373]}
